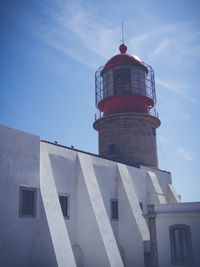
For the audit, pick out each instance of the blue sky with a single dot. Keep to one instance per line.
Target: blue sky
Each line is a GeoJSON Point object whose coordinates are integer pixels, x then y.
{"type": "Point", "coordinates": [50, 50]}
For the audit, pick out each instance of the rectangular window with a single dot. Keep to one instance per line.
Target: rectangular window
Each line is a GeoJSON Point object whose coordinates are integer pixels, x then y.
{"type": "Point", "coordinates": [153, 131]}
{"type": "Point", "coordinates": [64, 203]}
{"type": "Point", "coordinates": [112, 149]}
{"type": "Point", "coordinates": [27, 202]}
{"type": "Point", "coordinates": [108, 83]}
{"type": "Point", "coordinates": [114, 209]}
{"type": "Point", "coordinates": [122, 81]}
{"type": "Point", "coordinates": [180, 240]}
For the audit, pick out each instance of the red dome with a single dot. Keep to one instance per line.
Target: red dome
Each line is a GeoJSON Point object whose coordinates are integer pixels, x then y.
{"type": "Point", "coordinates": [123, 59]}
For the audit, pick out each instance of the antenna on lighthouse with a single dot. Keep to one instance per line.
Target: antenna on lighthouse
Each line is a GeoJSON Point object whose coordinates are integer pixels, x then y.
{"type": "Point", "coordinates": [123, 40]}
{"type": "Point", "coordinates": [122, 33]}
{"type": "Point", "coordinates": [122, 47]}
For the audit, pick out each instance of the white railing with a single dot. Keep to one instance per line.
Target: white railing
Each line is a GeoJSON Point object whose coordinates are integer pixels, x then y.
{"type": "Point", "coordinates": [153, 112]}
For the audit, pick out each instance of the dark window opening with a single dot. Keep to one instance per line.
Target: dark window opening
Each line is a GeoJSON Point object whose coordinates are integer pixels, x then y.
{"type": "Point", "coordinates": [153, 131]}
{"type": "Point", "coordinates": [27, 203]}
{"type": "Point", "coordinates": [122, 81]}
{"type": "Point", "coordinates": [112, 149]}
{"type": "Point", "coordinates": [64, 203]}
{"type": "Point", "coordinates": [114, 209]}
{"type": "Point", "coordinates": [181, 248]}
{"type": "Point", "coordinates": [141, 206]}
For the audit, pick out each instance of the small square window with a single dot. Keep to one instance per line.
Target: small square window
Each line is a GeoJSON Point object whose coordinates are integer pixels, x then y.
{"type": "Point", "coordinates": [114, 209]}
{"type": "Point", "coordinates": [64, 203]}
{"type": "Point", "coordinates": [27, 202]}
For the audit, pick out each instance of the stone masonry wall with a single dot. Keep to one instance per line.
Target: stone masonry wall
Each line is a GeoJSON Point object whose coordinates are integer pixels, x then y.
{"type": "Point", "coordinates": [132, 135]}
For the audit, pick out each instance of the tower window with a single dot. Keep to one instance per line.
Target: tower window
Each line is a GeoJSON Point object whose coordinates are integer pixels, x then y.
{"type": "Point", "coordinates": [27, 202]}
{"type": "Point", "coordinates": [153, 131]}
{"type": "Point", "coordinates": [122, 81]}
{"type": "Point", "coordinates": [114, 209]}
{"type": "Point", "coordinates": [112, 149]}
{"type": "Point", "coordinates": [180, 241]}
{"type": "Point", "coordinates": [64, 203]}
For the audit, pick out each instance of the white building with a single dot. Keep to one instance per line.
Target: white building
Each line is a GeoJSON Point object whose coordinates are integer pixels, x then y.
{"type": "Point", "coordinates": [64, 207]}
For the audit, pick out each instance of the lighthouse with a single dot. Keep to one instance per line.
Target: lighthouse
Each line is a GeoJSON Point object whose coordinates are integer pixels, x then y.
{"type": "Point", "coordinates": [127, 119]}
{"type": "Point", "coordinates": [74, 208]}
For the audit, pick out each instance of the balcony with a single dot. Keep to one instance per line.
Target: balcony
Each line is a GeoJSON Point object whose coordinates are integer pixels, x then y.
{"type": "Point", "coordinates": [153, 112]}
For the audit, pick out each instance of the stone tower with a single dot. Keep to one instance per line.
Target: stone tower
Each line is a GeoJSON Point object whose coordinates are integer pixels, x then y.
{"type": "Point", "coordinates": [126, 122]}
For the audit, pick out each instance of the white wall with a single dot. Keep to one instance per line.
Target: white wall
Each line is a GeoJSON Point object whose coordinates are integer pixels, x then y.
{"type": "Point", "coordinates": [64, 170]}
{"type": "Point", "coordinates": [181, 213]}
{"type": "Point", "coordinates": [56, 224]}
{"type": "Point", "coordinates": [30, 240]}
{"type": "Point", "coordinates": [23, 241]}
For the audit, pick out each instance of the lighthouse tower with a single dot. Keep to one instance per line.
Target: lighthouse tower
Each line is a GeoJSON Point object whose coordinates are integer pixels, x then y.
{"type": "Point", "coordinates": [127, 120]}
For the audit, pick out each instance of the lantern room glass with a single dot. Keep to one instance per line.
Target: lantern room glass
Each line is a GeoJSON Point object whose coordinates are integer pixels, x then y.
{"type": "Point", "coordinates": [124, 80]}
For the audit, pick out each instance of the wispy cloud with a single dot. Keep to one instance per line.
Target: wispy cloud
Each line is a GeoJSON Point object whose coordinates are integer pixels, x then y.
{"type": "Point", "coordinates": [171, 40]}
{"type": "Point", "coordinates": [82, 23]}
{"type": "Point", "coordinates": [137, 40]}
{"type": "Point", "coordinates": [178, 89]}
{"type": "Point", "coordinates": [184, 154]}
{"type": "Point", "coordinates": [73, 27]}
{"type": "Point", "coordinates": [159, 33]}
{"type": "Point", "coordinates": [162, 46]}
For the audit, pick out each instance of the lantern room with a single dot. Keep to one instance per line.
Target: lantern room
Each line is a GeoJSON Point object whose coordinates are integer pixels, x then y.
{"type": "Point", "coordinates": [125, 84]}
